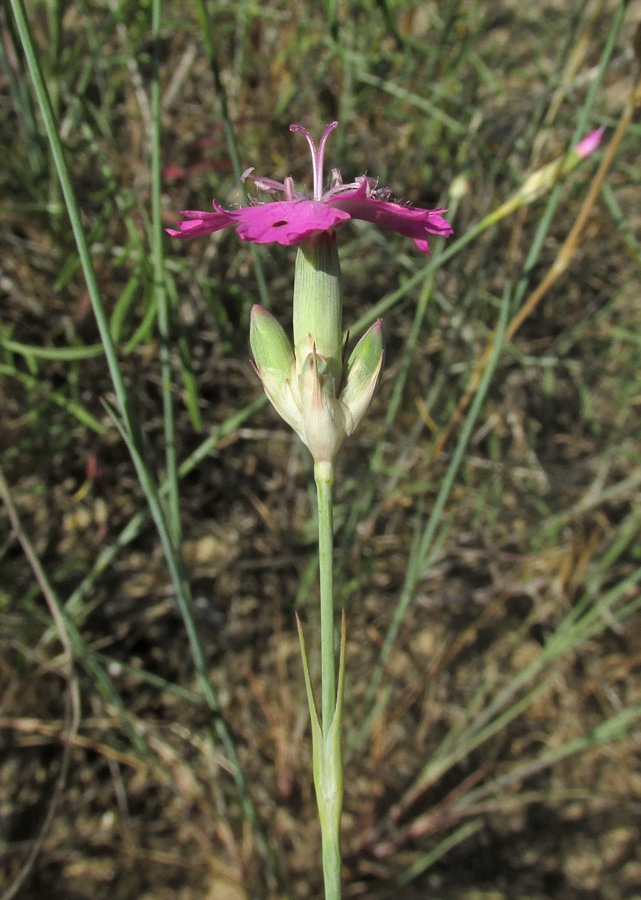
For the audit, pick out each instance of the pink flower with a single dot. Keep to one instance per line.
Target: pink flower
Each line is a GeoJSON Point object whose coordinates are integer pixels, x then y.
{"type": "Point", "coordinates": [297, 217]}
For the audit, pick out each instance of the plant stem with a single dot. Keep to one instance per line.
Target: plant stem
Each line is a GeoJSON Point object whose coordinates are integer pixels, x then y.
{"type": "Point", "coordinates": [332, 865]}
{"type": "Point", "coordinates": [159, 285]}
{"type": "Point", "coordinates": [329, 785]}
{"type": "Point", "coordinates": [324, 476]}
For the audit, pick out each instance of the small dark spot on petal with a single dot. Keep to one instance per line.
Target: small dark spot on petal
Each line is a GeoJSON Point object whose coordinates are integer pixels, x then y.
{"type": "Point", "coordinates": [279, 224]}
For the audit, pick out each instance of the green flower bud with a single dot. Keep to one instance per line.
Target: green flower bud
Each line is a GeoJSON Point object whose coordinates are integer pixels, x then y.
{"type": "Point", "coordinates": [361, 373]}
{"type": "Point", "coordinates": [302, 386]}
{"type": "Point", "coordinates": [269, 343]}
{"type": "Point", "coordinates": [274, 363]}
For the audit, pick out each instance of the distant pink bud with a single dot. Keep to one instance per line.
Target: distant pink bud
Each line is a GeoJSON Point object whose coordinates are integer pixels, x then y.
{"type": "Point", "coordinates": [589, 144]}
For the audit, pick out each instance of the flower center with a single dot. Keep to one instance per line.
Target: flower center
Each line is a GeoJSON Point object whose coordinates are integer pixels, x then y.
{"type": "Point", "coordinates": [317, 155]}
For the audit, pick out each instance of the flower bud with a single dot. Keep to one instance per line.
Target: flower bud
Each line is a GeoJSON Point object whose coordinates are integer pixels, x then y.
{"type": "Point", "coordinates": [325, 419]}
{"type": "Point", "coordinates": [270, 345]}
{"type": "Point", "coordinates": [275, 364]}
{"type": "Point", "coordinates": [303, 384]}
{"type": "Point", "coordinates": [361, 373]}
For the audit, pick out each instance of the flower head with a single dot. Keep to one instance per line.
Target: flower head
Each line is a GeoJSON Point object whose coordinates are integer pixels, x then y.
{"type": "Point", "coordinates": [302, 388]}
{"type": "Point", "coordinates": [297, 217]}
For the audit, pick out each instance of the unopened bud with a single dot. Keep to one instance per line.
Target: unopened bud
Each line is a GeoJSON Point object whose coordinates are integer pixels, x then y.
{"type": "Point", "coordinates": [275, 365]}
{"type": "Point", "coordinates": [362, 371]}
{"type": "Point", "coordinates": [325, 419]}
{"type": "Point", "coordinates": [589, 143]}
{"type": "Point", "coordinates": [269, 342]}
{"type": "Point", "coordinates": [459, 187]}
{"type": "Point", "coordinates": [303, 383]}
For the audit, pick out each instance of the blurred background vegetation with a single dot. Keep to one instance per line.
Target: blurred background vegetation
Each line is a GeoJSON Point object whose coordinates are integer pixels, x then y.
{"type": "Point", "coordinates": [487, 529]}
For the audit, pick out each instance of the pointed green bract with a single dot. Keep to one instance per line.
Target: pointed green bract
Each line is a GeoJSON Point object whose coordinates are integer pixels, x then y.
{"type": "Point", "coordinates": [270, 345]}
{"type": "Point", "coordinates": [362, 371]}
{"type": "Point", "coordinates": [366, 354]}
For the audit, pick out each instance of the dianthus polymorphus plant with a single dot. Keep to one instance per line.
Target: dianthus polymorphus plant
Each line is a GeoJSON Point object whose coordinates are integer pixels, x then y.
{"type": "Point", "coordinates": [322, 391]}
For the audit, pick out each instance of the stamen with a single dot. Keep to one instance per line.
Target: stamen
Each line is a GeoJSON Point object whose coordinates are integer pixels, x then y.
{"type": "Point", "coordinates": [289, 188]}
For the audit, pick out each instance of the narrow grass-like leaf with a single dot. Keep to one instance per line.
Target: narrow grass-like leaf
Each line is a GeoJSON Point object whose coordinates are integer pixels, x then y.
{"type": "Point", "coordinates": [123, 306]}
{"type": "Point", "coordinates": [164, 327]}
{"type": "Point", "coordinates": [57, 354]}
{"type": "Point", "coordinates": [38, 386]}
{"type": "Point", "coordinates": [415, 573]}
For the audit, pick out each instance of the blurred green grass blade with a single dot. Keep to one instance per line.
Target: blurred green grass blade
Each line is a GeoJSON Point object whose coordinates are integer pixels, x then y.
{"type": "Point", "coordinates": [184, 356]}
{"type": "Point", "coordinates": [143, 333]}
{"type": "Point", "coordinates": [622, 222]}
{"type": "Point", "coordinates": [22, 102]}
{"type": "Point", "coordinates": [164, 323]}
{"type": "Point", "coordinates": [189, 384]}
{"type": "Point", "coordinates": [123, 306]}
{"type": "Point", "coordinates": [157, 681]}
{"type": "Point", "coordinates": [100, 677]}
{"type": "Point", "coordinates": [413, 99]}
{"type": "Point", "coordinates": [40, 88]}
{"type": "Point", "coordinates": [96, 234]}
{"type": "Point", "coordinates": [230, 138]}
{"type": "Point", "coordinates": [415, 571]}
{"type": "Point", "coordinates": [57, 397]}
{"type": "Point", "coordinates": [497, 714]}
{"type": "Point", "coordinates": [56, 354]}
{"type": "Point", "coordinates": [75, 603]}
{"type": "Point", "coordinates": [425, 862]}
{"type": "Point", "coordinates": [613, 728]}
{"type": "Point", "coordinates": [76, 644]}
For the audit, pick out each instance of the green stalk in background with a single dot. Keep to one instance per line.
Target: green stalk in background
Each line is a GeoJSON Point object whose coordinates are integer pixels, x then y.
{"type": "Point", "coordinates": [130, 429]}
{"type": "Point", "coordinates": [159, 286]}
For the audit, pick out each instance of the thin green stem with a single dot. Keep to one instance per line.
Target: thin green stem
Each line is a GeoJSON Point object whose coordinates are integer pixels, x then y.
{"type": "Point", "coordinates": [73, 210]}
{"type": "Point", "coordinates": [159, 286]}
{"type": "Point", "coordinates": [332, 866]}
{"type": "Point", "coordinates": [329, 784]}
{"type": "Point", "coordinates": [324, 476]}
{"type": "Point", "coordinates": [130, 430]}
{"type": "Point", "coordinates": [210, 49]}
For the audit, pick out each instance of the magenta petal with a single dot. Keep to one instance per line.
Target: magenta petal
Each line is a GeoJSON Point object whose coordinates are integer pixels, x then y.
{"type": "Point", "coordinates": [201, 223]}
{"type": "Point", "coordinates": [286, 222]}
{"type": "Point", "coordinates": [406, 220]}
